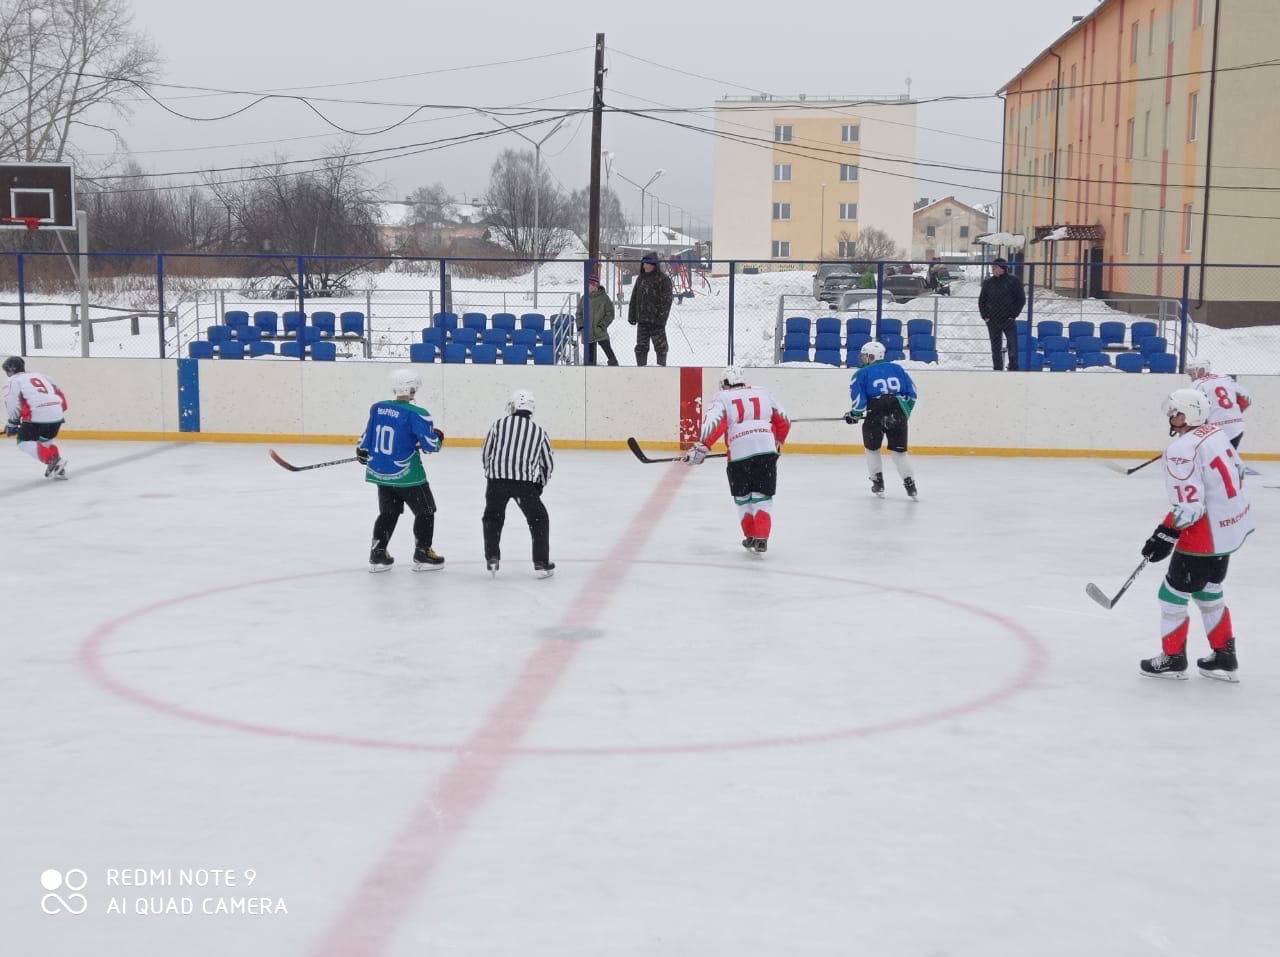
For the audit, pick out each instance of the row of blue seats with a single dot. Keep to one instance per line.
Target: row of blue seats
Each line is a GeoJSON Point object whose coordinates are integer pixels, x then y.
{"type": "Point", "coordinates": [267, 322]}
{"type": "Point", "coordinates": [1112, 333]}
{"type": "Point", "coordinates": [237, 349]}
{"type": "Point", "coordinates": [922, 348]}
{"type": "Point", "coordinates": [1161, 362]}
{"type": "Point", "coordinates": [857, 326]}
{"type": "Point", "coordinates": [490, 337]}
{"type": "Point", "coordinates": [483, 354]}
{"type": "Point", "coordinates": [500, 320]}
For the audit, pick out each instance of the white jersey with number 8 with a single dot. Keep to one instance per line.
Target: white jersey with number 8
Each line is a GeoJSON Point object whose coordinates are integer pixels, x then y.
{"type": "Point", "coordinates": [1227, 401]}
{"type": "Point", "coordinates": [1205, 480]}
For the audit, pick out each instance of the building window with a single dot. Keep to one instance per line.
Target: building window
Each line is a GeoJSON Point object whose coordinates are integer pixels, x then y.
{"type": "Point", "coordinates": [850, 132]}
{"type": "Point", "coordinates": [846, 248]}
{"type": "Point", "coordinates": [848, 211]}
{"type": "Point", "coordinates": [1142, 231]}
{"type": "Point", "coordinates": [1146, 133]}
{"type": "Point", "coordinates": [1070, 162]}
{"type": "Point", "coordinates": [848, 173]}
{"type": "Point", "coordinates": [781, 249]}
{"type": "Point", "coordinates": [1125, 228]}
{"type": "Point", "coordinates": [782, 172]}
{"type": "Point", "coordinates": [1151, 33]}
{"type": "Point", "coordinates": [947, 211]}
{"type": "Point", "coordinates": [782, 134]}
{"type": "Point", "coordinates": [964, 232]}
{"type": "Point", "coordinates": [1102, 100]}
{"type": "Point", "coordinates": [1186, 228]}
{"type": "Point", "coordinates": [931, 231]}
{"type": "Point", "coordinates": [1193, 117]}
{"type": "Point", "coordinates": [1133, 43]}
{"type": "Point", "coordinates": [781, 210]}
{"type": "Point", "coordinates": [1128, 139]}
{"type": "Point", "coordinates": [1198, 14]}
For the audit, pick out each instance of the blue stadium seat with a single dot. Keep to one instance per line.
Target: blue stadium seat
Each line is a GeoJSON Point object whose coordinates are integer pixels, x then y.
{"type": "Point", "coordinates": [235, 317]}
{"type": "Point", "coordinates": [892, 342]}
{"type": "Point", "coordinates": [525, 337]}
{"type": "Point", "coordinates": [1142, 330]}
{"type": "Point", "coordinates": [1130, 362]}
{"type": "Point", "coordinates": [293, 321]}
{"type": "Point", "coordinates": [1054, 344]}
{"type": "Point", "coordinates": [1083, 344]}
{"type": "Point", "coordinates": [797, 324]}
{"type": "Point", "coordinates": [828, 341]}
{"type": "Point", "coordinates": [533, 320]}
{"type": "Point", "coordinates": [1111, 333]}
{"type": "Point", "coordinates": [516, 354]}
{"type": "Point", "coordinates": [1048, 327]}
{"type": "Point", "coordinates": [546, 337]}
{"type": "Point", "coordinates": [1149, 346]}
{"type": "Point", "coordinates": [1079, 329]}
{"type": "Point", "coordinates": [494, 337]}
{"type": "Point", "coordinates": [853, 346]}
{"type": "Point", "coordinates": [544, 355]}
{"type": "Point", "coordinates": [293, 349]}
{"type": "Point", "coordinates": [795, 355]}
{"type": "Point", "coordinates": [1022, 325]}
{"type": "Point", "coordinates": [309, 335]}
{"type": "Point", "coordinates": [1090, 359]}
{"type": "Point", "coordinates": [247, 333]}
{"type": "Point", "coordinates": [324, 352]}
{"type": "Point", "coordinates": [267, 321]}
{"type": "Point", "coordinates": [433, 336]}
{"type": "Point", "coordinates": [1162, 362]}
{"type": "Point", "coordinates": [463, 336]}
{"type": "Point", "coordinates": [424, 351]}
{"type": "Point", "coordinates": [325, 322]}
{"type": "Point", "coordinates": [919, 327]}
{"type": "Point", "coordinates": [261, 348]}
{"type": "Point", "coordinates": [504, 320]}
{"type": "Point", "coordinates": [894, 355]}
{"type": "Point", "coordinates": [445, 320]}
{"type": "Point", "coordinates": [921, 342]}
{"type": "Point", "coordinates": [455, 352]}
{"type": "Point", "coordinates": [796, 340]}
{"type": "Point", "coordinates": [200, 349]}
{"type": "Point", "coordinates": [889, 325]}
{"type": "Point", "coordinates": [484, 354]}
{"type": "Point", "coordinates": [1060, 361]}
{"type": "Point", "coordinates": [1034, 362]}
{"type": "Point", "coordinates": [475, 320]}
{"type": "Point", "coordinates": [827, 324]}
{"type": "Point", "coordinates": [830, 356]}
{"type": "Point", "coordinates": [352, 323]}
{"type": "Point", "coordinates": [857, 327]}
{"type": "Point", "coordinates": [218, 334]}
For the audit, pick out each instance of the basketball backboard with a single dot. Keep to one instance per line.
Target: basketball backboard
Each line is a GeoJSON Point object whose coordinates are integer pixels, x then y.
{"type": "Point", "coordinates": [37, 191]}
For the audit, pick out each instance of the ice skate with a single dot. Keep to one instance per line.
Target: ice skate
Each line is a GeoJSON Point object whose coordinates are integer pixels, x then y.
{"type": "Point", "coordinates": [1165, 666]}
{"type": "Point", "coordinates": [877, 484]}
{"type": "Point", "coordinates": [426, 560]}
{"type": "Point", "coordinates": [379, 560]}
{"type": "Point", "coordinates": [491, 565]}
{"type": "Point", "coordinates": [1221, 664]}
{"type": "Point", "coordinates": [910, 485]}
{"type": "Point", "coordinates": [544, 569]}
{"type": "Point", "coordinates": [56, 468]}
{"type": "Point", "coordinates": [749, 544]}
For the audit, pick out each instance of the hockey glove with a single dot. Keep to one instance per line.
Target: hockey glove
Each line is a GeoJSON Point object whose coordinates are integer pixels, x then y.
{"type": "Point", "coordinates": [1160, 544]}
{"type": "Point", "coordinates": [696, 454]}
{"type": "Point", "coordinates": [440, 437]}
{"type": "Point", "coordinates": [11, 427]}
{"type": "Point", "coordinates": [1242, 402]}
{"type": "Point", "coordinates": [853, 417]}
{"type": "Point", "coordinates": [362, 456]}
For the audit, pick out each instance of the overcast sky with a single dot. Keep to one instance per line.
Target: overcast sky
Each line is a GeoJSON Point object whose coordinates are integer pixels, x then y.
{"type": "Point", "coordinates": [818, 48]}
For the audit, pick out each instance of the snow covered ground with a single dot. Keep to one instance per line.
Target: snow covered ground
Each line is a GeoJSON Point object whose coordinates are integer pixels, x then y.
{"type": "Point", "coordinates": [890, 736]}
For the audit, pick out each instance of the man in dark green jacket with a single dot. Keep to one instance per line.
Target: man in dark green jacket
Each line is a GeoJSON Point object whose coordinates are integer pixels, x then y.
{"type": "Point", "coordinates": [650, 305]}
{"type": "Point", "coordinates": [601, 309]}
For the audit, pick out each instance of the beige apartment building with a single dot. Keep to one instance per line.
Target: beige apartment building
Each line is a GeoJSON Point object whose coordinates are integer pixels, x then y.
{"type": "Point", "coordinates": [1145, 134]}
{"type": "Point", "coordinates": [946, 229]}
{"type": "Point", "coordinates": [796, 179]}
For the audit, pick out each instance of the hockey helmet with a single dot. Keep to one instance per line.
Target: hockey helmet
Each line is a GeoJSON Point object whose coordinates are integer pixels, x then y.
{"type": "Point", "coordinates": [1198, 368]}
{"type": "Point", "coordinates": [870, 352]}
{"type": "Point", "coordinates": [1192, 403]}
{"type": "Point", "coordinates": [521, 400]}
{"type": "Point", "coordinates": [13, 365]}
{"type": "Point", "coordinates": [405, 382]}
{"type": "Point", "coordinates": [732, 376]}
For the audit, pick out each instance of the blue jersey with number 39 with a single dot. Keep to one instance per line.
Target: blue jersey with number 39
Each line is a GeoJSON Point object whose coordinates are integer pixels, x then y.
{"type": "Point", "coordinates": [880, 378]}
{"type": "Point", "coordinates": [395, 432]}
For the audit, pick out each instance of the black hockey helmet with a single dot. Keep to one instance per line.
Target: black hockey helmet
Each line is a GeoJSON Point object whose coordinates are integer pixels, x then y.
{"type": "Point", "coordinates": [13, 365]}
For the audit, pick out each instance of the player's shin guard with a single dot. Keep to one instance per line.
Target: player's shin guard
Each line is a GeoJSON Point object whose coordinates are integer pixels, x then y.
{"type": "Point", "coordinates": [1215, 614]}
{"type": "Point", "coordinates": [746, 517]}
{"type": "Point", "coordinates": [35, 450]}
{"type": "Point", "coordinates": [764, 520]}
{"type": "Point", "coordinates": [1174, 619]}
{"type": "Point", "coordinates": [902, 462]}
{"type": "Point", "coordinates": [874, 462]}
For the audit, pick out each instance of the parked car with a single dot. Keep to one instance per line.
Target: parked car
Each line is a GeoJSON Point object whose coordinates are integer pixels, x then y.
{"type": "Point", "coordinates": [826, 270]}
{"type": "Point", "coordinates": [906, 288]}
{"type": "Point", "coordinates": [855, 300]}
{"type": "Point", "coordinates": [835, 284]}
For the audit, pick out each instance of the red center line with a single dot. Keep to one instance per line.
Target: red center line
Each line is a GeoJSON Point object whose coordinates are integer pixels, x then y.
{"type": "Point", "coordinates": [371, 918]}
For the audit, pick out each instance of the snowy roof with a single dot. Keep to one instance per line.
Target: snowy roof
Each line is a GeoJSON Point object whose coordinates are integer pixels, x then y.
{"type": "Point", "coordinates": [1050, 234]}
{"type": "Point", "coordinates": [655, 235]}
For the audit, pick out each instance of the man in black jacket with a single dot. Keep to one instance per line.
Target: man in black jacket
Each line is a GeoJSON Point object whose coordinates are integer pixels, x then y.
{"type": "Point", "coordinates": [648, 310]}
{"type": "Point", "coordinates": [999, 304]}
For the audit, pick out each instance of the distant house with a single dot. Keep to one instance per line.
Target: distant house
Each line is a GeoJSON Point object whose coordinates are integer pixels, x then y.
{"type": "Point", "coordinates": [945, 229]}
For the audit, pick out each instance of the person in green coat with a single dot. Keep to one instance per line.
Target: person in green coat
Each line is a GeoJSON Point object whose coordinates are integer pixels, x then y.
{"type": "Point", "coordinates": [601, 317]}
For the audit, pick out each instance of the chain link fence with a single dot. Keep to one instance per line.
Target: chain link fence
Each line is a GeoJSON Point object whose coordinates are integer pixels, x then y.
{"type": "Point", "coordinates": [749, 313]}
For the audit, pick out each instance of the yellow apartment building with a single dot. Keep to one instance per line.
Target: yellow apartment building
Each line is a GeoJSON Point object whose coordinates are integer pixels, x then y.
{"type": "Point", "coordinates": [797, 179]}
{"type": "Point", "coordinates": [1146, 134]}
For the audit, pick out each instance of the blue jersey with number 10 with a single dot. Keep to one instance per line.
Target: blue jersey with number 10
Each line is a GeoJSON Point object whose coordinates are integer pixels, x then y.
{"type": "Point", "coordinates": [880, 378]}
{"type": "Point", "coordinates": [396, 430]}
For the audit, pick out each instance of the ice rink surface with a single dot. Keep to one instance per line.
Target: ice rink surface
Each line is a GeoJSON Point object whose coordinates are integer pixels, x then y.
{"type": "Point", "coordinates": [905, 732]}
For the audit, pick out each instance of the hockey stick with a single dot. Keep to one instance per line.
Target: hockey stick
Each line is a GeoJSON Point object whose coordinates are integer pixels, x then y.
{"type": "Point", "coordinates": [639, 453]}
{"type": "Point", "coordinates": [838, 418]}
{"type": "Point", "coordinates": [1144, 464]}
{"type": "Point", "coordinates": [1094, 592]}
{"type": "Point", "coordinates": [302, 468]}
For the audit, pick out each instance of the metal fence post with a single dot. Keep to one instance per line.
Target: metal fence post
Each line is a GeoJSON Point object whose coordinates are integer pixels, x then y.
{"type": "Point", "coordinates": [302, 307]}
{"type": "Point", "coordinates": [1031, 316]}
{"type": "Point", "coordinates": [733, 273]}
{"type": "Point", "coordinates": [22, 306]}
{"type": "Point", "coordinates": [160, 301]}
{"type": "Point", "coordinates": [1186, 315]}
{"type": "Point", "coordinates": [879, 296]}
{"type": "Point", "coordinates": [368, 323]}
{"type": "Point", "coordinates": [588, 346]}
{"type": "Point", "coordinates": [444, 299]}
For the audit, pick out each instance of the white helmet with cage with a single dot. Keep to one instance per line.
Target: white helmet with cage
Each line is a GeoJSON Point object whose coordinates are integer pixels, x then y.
{"type": "Point", "coordinates": [870, 352]}
{"type": "Point", "coordinates": [1192, 403]}
{"type": "Point", "coordinates": [1198, 368]}
{"type": "Point", "coordinates": [405, 382]}
{"type": "Point", "coordinates": [521, 400]}
{"type": "Point", "coordinates": [732, 376]}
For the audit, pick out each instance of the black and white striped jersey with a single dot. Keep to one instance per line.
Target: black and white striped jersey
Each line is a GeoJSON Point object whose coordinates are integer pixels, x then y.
{"type": "Point", "coordinates": [518, 448]}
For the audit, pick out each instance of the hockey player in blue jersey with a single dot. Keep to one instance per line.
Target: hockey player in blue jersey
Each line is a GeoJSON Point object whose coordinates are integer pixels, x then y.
{"type": "Point", "coordinates": [884, 395]}
{"type": "Point", "coordinates": [388, 449]}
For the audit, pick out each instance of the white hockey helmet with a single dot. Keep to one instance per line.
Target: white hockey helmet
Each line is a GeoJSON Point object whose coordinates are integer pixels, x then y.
{"type": "Point", "coordinates": [521, 400]}
{"type": "Point", "coordinates": [870, 352]}
{"type": "Point", "coordinates": [1198, 368]}
{"type": "Point", "coordinates": [405, 382]}
{"type": "Point", "coordinates": [1192, 403]}
{"type": "Point", "coordinates": [732, 376]}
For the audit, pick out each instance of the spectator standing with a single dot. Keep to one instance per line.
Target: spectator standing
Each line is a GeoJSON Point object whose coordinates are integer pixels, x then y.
{"type": "Point", "coordinates": [1000, 304]}
{"type": "Point", "coordinates": [36, 408]}
{"type": "Point", "coordinates": [601, 310]}
{"type": "Point", "coordinates": [517, 464]}
{"type": "Point", "coordinates": [650, 305]}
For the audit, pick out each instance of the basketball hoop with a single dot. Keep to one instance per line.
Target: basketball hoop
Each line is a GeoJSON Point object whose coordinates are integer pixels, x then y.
{"type": "Point", "coordinates": [31, 222]}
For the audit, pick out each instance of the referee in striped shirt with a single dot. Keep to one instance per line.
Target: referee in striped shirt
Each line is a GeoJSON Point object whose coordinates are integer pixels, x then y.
{"type": "Point", "coordinates": [518, 463]}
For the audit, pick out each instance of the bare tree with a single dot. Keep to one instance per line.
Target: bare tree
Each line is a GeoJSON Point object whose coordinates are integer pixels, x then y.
{"type": "Point", "coordinates": [873, 245]}
{"type": "Point", "coordinates": [510, 203]}
{"type": "Point", "coordinates": [613, 221]}
{"type": "Point", "coordinates": [60, 61]}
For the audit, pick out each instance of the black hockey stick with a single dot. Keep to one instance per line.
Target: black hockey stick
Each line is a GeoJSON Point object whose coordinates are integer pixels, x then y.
{"type": "Point", "coordinates": [639, 453]}
{"type": "Point", "coordinates": [1094, 592]}
{"type": "Point", "coordinates": [302, 468]}
{"type": "Point", "coordinates": [838, 418]}
{"type": "Point", "coordinates": [1144, 464]}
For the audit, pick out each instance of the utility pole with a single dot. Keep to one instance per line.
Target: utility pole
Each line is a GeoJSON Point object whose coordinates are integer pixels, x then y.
{"type": "Point", "coordinates": [597, 123]}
